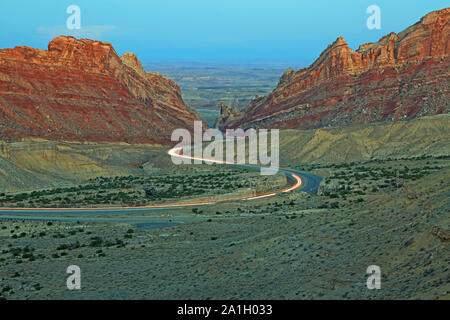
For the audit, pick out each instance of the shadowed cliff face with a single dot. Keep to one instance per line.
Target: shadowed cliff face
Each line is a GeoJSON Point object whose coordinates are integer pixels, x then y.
{"type": "Point", "coordinates": [81, 90]}
{"type": "Point", "coordinates": [402, 76]}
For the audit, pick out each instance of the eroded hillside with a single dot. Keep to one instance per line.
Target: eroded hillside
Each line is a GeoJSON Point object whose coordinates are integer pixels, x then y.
{"type": "Point", "coordinates": [402, 76]}
{"type": "Point", "coordinates": [81, 90]}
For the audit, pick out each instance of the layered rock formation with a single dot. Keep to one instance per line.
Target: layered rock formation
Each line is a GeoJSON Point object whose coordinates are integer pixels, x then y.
{"type": "Point", "coordinates": [402, 76]}
{"type": "Point", "coordinates": [227, 116]}
{"type": "Point", "coordinates": [81, 90]}
{"type": "Point", "coordinates": [425, 136]}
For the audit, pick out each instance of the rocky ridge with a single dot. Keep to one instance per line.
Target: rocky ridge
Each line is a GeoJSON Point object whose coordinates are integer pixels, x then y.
{"type": "Point", "coordinates": [81, 90]}
{"type": "Point", "coordinates": [402, 76]}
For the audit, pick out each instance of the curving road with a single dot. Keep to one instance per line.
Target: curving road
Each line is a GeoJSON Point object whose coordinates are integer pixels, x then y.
{"type": "Point", "coordinates": [301, 181]}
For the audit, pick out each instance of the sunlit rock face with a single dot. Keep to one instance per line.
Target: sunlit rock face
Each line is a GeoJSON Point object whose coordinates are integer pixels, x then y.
{"type": "Point", "coordinates": [402, 76]}
{"type": "Point", "coordinates": [81, 90]}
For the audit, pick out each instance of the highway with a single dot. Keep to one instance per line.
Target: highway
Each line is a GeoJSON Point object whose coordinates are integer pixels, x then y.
{"type": "Point", "coordinates": [299, 181]}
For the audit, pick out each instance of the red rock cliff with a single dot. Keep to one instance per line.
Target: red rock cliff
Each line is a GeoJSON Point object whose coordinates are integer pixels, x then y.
{"type": "Point", "coordinates": [402, 76]}
{"type": "Point", "coordinates": [81, 90]}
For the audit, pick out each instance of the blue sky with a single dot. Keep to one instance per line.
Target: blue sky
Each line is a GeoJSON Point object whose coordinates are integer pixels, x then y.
{"type": "Point", "coordinates": [177, 30]}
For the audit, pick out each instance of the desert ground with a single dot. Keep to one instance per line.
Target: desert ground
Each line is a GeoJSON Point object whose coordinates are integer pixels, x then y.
{"type": "Point", "coordinates": [386, 211]}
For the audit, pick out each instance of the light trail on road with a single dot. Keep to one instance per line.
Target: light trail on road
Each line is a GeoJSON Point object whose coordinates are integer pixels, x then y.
{"type": "Point", "coordinates": [177, 152]}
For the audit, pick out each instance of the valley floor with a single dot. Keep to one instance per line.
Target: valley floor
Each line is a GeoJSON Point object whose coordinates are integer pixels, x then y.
{"type": "Point", "coordinates": [285, 247]}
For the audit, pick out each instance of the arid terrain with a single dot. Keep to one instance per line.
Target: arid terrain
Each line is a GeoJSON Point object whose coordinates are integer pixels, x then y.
{"type": "Point", "coordinates": [293, 247]}
{"type": "Point", "coordinates": [387, 207]}
{"type": "Point", "coordinates": [87, 178]}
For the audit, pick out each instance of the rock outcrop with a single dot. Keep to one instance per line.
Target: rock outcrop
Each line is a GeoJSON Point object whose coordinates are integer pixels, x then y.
{"type": "Point", "coordinates": [402, 76]}
{"type": "Point", "coordinates": [227, 115]}
{"type": "Point", "coordinates": [81, 90]}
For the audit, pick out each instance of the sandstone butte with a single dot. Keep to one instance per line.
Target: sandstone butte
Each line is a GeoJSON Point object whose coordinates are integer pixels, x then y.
{"type": "Point", "coordinates": [81, 90]}
{"type": "Point", "coordinates": [400, 77]}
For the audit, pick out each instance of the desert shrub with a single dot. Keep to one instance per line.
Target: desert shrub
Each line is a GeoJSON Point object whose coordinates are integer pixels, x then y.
{"type": "Point", "coordinates": [96, 242]}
